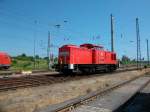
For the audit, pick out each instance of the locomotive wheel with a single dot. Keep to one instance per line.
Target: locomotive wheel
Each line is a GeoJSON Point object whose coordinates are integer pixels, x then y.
{"type": "Point", "coordinates": [6, 68]}
{"type": "Point", "coordinates": [93, 70]}
{"type": "Point", "coordinates": [67, 72]}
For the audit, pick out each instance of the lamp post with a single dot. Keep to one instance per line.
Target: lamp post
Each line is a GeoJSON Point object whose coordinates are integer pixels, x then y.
{"type": "Point", "coordinates": [49, 53]}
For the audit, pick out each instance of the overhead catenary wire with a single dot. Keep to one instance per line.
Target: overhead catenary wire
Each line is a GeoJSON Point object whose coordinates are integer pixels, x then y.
{"type": "Point", "coordinates": [28, 21]}
{"type": "Point", "coordinates": [23, 24]}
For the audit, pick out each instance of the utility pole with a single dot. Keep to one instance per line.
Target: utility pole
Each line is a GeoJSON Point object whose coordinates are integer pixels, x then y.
{"type": "Point", "coordinates": [35, 22]}
{"type": "Point", "coordinates": [138, 44]}
{"type": "Point", "coordinates": [48, 52]}
{"type": "Point", "coordinates": [34, 53]}
{"type": "Point", "coordinates": [147, 51]}
{"type": "Point", "coordinates": [112, 33]}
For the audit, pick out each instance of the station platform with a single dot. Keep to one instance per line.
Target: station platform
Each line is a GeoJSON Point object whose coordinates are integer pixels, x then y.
{"type": "Point", "coordinates": [113, 100]}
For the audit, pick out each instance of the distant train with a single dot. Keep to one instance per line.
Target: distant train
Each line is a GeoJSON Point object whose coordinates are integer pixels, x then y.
{"type": "Point", "coordinates": [87, 58]}
{"type": "Point", "coordinates": [5, 60]}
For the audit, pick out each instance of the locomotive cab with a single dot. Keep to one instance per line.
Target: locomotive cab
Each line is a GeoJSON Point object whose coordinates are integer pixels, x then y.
{"type": "Point", "coordinates": [64, 63]}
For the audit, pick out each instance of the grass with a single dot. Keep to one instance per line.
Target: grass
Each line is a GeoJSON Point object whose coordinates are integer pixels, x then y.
{"type": "Point", "coordinates": [20, 64]}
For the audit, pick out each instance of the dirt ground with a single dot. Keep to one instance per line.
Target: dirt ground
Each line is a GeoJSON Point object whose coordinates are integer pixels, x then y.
{"type": "Point", "coordinates": [30, 99]}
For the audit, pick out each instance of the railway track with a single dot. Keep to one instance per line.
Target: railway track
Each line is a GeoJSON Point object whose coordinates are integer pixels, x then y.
{"type": "Point", "coordinates": [10, 72]}
{"type": "Point", "coordinates": [13, 83]}
{"type": "Point", "coordinates": [71, 105]}
{"type": "Point", "coordinates": [46, 72]}
{"type": "Point", "coordinates": [29, 81]}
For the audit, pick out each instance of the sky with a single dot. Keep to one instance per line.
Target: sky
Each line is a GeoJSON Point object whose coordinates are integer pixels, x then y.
{"type": "Point", "coordinates": [81, 21]}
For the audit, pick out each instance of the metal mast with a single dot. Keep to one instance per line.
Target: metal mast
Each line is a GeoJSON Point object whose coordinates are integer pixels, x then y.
{"type": "Point", "coordinates": [138, 44]}
{"type": "Point", "coordinates": [48, 52]}
{"type": "Point", "coordinates": [147, 51]}
{"type": "Point", "coordinates": [34, 52]}
{"type": "Point", "coordinates": [112, 33]}
{"type": "Point", "coordinates": [35, 23]}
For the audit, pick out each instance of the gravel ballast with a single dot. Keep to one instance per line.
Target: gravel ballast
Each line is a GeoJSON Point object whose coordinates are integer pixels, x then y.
{"type": "Point", "coordinates": [31, 99]}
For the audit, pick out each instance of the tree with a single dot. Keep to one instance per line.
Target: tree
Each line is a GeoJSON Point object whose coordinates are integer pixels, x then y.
{"type": "Point", "coordinates": [37, 57]}
{"type": "Point", "coordinates": [23, 55]}
{"type": "Point", "coordinates": [45, 58]}
{"type": "Point", "coordinates": [125, 59]}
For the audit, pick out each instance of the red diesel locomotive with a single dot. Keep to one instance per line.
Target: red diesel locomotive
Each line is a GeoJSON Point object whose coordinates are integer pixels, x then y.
{"type": "Point", "coordinates": [5, 60]}
{"type": "Point", "coordinates": [87, 58]}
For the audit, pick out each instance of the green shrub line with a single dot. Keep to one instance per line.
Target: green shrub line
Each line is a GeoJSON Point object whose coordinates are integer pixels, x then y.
{"type": "Point", "coordinates": [23, 62]}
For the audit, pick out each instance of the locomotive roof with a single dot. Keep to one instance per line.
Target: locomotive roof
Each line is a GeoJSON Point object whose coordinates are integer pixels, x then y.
{"type": "Point", "coordinates": [69, 45]}
{"type": "Point", "coordinates": [86, 45]}
{"type": "Point", "coordinates": [91, 46]}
